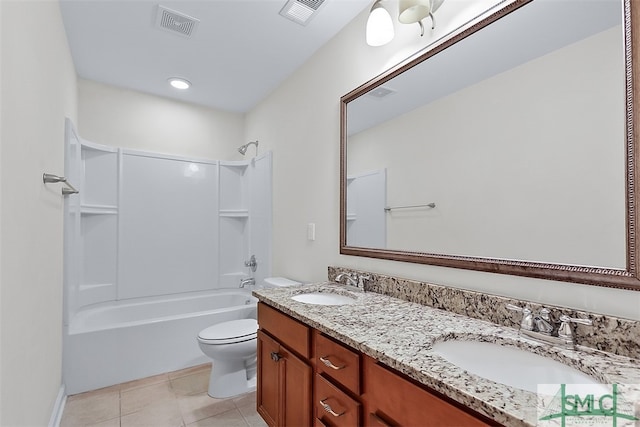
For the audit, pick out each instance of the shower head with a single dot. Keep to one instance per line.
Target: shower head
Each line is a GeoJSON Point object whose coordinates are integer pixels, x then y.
{"type": "Point", "coordinates": [243, 148]}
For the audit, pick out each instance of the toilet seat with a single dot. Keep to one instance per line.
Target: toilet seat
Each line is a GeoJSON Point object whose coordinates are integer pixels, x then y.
{"type": "Point", "coordinates": [234, 331]}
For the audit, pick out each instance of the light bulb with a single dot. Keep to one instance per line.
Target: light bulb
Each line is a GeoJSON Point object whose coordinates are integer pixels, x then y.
{"type": "Point", "coordinates": [179, 83]}
{"type": "Point", "coordinates": [379, 26]}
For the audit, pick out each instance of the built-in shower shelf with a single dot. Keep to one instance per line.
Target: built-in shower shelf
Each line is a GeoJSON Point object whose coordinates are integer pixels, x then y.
{"type": "Point", "coordinates": [98, 210]}
{"type": "Point", "coordinates": [234, 213]}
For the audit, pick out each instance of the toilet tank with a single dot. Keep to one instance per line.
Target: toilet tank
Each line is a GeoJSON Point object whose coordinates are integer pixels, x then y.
{"type": "Point", "coordinates": [279, 282]}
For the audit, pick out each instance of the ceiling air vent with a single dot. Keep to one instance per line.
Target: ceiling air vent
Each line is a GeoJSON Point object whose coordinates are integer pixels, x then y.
{"type": "Point", "coordinates": [176, 22]}
{"type": "Point", "coordinates": [301, 11]}
{"type": "Point", "coordinates": [380, 92]}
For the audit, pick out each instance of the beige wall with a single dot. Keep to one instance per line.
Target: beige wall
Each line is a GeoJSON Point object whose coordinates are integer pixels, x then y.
{"type": "Point", "coordinates": [38, 85]}
{"type": "Point", "coordinates": [128, 119]}
{"type": "Point", "coordinates": [300, 123]}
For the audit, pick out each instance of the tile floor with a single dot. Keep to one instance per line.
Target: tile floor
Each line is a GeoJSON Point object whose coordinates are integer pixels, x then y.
{"type": "Point", "coordinates": [174, 399]}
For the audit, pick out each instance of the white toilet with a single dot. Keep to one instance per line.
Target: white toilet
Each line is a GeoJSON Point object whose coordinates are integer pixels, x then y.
{"type": "Point", "coordinates": [233, 347]}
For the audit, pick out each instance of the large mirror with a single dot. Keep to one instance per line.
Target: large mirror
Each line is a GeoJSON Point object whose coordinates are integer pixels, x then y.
{"type": "Point", "coordinates": [507, 148]}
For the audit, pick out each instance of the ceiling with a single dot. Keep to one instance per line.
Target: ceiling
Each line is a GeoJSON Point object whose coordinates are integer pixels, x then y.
{"type": "Point", "coordinates": [239, 52]}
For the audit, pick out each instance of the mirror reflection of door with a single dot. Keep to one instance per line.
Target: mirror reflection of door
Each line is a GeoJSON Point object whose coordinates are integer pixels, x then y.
{"type": "Point", "coordinates": [366, 202]}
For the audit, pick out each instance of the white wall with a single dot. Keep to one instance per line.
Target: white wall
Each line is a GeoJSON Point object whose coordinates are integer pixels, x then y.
{"type": "Point", "coordinates": [128, 119]}
{"type": "Point", "coordinates": [300, 123]}
{"type": "Point", "coordinates": [38, 85]}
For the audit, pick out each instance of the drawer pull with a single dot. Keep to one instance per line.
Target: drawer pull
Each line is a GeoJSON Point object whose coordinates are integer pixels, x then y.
{"type": "Point", "coordinates": [275, 356]}
{"type": "Point", "coordinates": [329, 410]}
{"type": "Point", "coordinates": [328, 363]}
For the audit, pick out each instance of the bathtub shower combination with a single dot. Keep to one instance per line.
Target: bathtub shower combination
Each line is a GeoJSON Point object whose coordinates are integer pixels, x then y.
{"type": "Point", "coordinates": [155, 251]}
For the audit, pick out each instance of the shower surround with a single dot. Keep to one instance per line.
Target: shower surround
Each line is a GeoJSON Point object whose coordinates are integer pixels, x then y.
{"type": "Point", "coordinates": [152, 230]}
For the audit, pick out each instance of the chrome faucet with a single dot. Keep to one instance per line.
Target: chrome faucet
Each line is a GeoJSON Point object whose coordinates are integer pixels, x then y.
{"type": "Point", "coordinates": [350, 279]}
{"type": "Point", "coordinates": [353, 279]}
{"type": "Point", "coordinates": [248, 281]}
{"type": "Point", "coordinates": [541, 327]}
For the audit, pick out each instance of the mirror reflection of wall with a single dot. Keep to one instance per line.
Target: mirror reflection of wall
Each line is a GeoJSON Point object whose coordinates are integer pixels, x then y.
{"type": "Point", "coordinates": [528, 164]}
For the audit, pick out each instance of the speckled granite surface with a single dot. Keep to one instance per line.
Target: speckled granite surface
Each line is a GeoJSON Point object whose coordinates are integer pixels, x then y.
{"type": "Point", "coordinates": [401, 334]}
{"type": "Point", "coordinates": [608, 333]}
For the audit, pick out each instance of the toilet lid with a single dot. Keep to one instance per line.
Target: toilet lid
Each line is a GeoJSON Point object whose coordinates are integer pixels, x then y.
{"type": "Point", "coordinates": [230, 332]}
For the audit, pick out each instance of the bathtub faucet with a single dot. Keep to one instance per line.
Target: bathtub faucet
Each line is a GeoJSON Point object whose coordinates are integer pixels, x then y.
{"type": "Point", "coordinates": [248, 281]}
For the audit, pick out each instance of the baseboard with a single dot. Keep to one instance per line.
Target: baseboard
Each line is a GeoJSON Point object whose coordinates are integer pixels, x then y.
{"type": "Point", "coordinates": [58, 407]}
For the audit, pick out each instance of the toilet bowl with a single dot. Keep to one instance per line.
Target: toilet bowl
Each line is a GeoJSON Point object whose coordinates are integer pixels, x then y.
{"type": "Point", "coordinates": [232, 346]}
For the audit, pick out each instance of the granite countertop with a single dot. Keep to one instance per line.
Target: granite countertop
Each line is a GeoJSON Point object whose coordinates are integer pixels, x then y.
{"type": "Point", "coordinates": [401, 334]}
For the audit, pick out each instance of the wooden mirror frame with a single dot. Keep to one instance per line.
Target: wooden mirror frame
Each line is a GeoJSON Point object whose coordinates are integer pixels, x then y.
{"type": "Point", "coordinates": [628, 278]}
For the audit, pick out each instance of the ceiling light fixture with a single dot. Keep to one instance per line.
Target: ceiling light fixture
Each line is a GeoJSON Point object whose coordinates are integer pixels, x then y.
{"type": "Point", "coordinates": [379, 26]}
{"type": "Point", "coordinates": [179, 83]}
{"type": "Point", "coordinates": [412, 11]}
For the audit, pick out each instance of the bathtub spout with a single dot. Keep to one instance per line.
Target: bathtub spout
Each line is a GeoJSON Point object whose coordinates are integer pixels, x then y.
{"type": "Point", "coordinates": [248, 281]}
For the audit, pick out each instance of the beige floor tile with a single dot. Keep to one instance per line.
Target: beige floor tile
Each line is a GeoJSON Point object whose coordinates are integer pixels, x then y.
{"type": "Point", "coordinates": [191, 384]}
{"type": "Point", "coordinates": [251, 416]}
{"type": "Point", "coordinates": [231, 418]}
{"type": "Point", "coordinates": [114, 422]}
{"type": "Point", "coordinates": [199, 406]}
{"type": "Point", "coordinates": [91, 409]}
{"type": "Point", "coordinates": [143, 382]}
{"type": "Point", "coordinates": [92, 393]}
{"type": "Point", "coordinates": [159, 414]}
{"type": "Point", "coordinates": [245, 399]}
{"type": "Point", "coordinates": [191, 370]}
{"type": "Point", "coordinates": [139, 398]}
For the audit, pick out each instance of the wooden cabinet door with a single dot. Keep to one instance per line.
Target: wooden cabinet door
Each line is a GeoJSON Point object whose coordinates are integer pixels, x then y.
{"type": "Point", "coordinates": [284, 385]}
{"type": "Point", "coordinates": [268, 386]}
{"type": "Point", "coordinates": [296, 390]}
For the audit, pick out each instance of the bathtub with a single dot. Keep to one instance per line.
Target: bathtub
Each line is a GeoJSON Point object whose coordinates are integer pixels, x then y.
{"type": "Point", "coordinates": [111, 343]}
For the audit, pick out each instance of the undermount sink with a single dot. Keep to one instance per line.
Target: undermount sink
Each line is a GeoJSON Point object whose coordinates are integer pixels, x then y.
{"type": "Point", "coordinates": [323, 298]}
{"type": "Point", "coordinates": [510, 366]}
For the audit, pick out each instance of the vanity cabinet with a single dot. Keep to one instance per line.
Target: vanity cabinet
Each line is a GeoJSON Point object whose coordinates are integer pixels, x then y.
{"type": "Point", "coordinates": [306, 378]}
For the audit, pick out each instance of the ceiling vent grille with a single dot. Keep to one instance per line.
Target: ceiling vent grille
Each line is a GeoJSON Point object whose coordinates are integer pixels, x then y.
{"type": "Point", "coordinates": [380, 92]}
{"type": "Point", "coordinates": [176, 22]}
{"type": "Point", "coordinates": [301, 11]}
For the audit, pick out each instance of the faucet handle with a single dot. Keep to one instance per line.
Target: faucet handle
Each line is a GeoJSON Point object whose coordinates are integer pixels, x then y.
{"type": "Point", "coordinates": [252, 263]}
{"type": "Point", "coordinates": [513, 307]}
{"type": "Point", "coordinates": [361, 279]}
{"type": "Point", "coordinates": [565, 330]}
{"type": "Point", "coordinates": [527, 317]}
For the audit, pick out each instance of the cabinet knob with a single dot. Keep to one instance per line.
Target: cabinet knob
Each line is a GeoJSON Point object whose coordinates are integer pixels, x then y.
{"type": "Point", "coordinates": [275, 356]}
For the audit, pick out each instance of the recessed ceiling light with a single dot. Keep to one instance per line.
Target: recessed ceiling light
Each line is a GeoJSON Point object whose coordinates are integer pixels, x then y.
{"type": "Point", "coordinates": [179, 83]}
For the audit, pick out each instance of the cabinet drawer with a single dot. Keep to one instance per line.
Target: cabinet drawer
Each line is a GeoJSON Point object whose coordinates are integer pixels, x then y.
{"type": "Point", "coordinates": [338, 362]}
{"type": "Point", "coordinates": [393, 400]}
{"type": "Point", "coordinates": [289, 331]}
{"type": "Point", "coordinates": [333, 407]}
